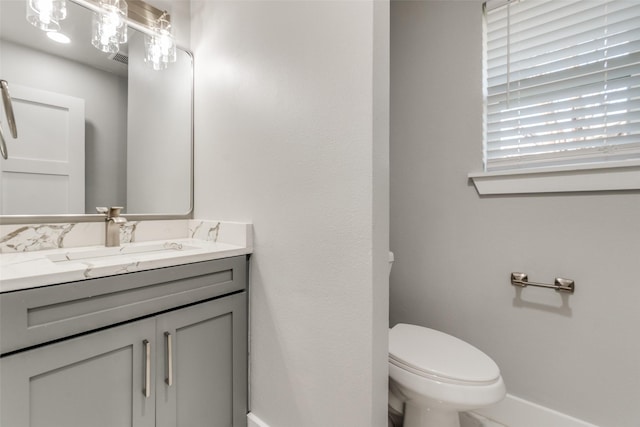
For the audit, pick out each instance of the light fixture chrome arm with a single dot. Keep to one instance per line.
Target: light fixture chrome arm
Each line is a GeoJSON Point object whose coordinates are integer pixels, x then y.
{"type": "Point", "coordinates": [140, 15]}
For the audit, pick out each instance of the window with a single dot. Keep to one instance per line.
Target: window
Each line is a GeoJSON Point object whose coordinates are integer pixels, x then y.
{"type": "Point", "coordinates": [562, 84]}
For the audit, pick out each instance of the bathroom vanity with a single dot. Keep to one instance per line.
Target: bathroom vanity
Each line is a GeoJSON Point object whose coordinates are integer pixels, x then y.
{"type": "Point", "coordinates": [163, 347]}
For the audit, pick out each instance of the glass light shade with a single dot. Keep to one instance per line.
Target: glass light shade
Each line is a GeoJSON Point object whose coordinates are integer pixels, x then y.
{"type": "Point", "coordinates": [46, 14]}
{"type": "Point", "coordinates": [109, 27]}
{"type": "Point", "coordinates": [160, 48]}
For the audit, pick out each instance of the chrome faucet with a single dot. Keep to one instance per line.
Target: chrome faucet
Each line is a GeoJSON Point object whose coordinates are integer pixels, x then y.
{"type": "Point", "coordinates": [112, 225]}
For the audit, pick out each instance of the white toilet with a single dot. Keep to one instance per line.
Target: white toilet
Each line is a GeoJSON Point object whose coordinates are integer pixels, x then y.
{"type": "Point", "coordinates": [437, 376]}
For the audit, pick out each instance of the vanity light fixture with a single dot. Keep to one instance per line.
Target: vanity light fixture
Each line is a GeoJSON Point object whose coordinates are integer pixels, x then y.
{"type": "Point", "coordinates": [109, 27]}
{"type": "Point", "coordinates": [160, 47]}
{"type": "Point", "coordinates": [111, 19]}
{"type": "Point", "coordinates": [46, 14]}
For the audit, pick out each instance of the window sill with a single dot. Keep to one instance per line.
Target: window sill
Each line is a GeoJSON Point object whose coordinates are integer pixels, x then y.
{"type": "Point", "coordinates": [614, 176]}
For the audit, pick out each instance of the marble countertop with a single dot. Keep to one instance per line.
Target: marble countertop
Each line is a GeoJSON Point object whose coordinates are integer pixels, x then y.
{"type": "Point", "coordinates": [29, 269]}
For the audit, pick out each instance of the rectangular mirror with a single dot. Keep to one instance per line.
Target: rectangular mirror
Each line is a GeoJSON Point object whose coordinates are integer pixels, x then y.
{"type": "Point", "coordinates": [94, 129]}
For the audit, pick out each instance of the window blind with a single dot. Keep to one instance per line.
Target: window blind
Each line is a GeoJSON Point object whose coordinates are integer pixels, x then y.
{"type": "Point", "coordinates": [562, 82]}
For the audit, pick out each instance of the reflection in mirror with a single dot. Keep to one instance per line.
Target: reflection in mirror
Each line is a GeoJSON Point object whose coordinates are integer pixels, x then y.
{"type": "Point", "coordinates": [94, 129]}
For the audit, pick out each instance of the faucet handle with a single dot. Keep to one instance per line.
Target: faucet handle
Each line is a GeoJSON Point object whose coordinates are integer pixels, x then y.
{"type": "Point", "coordinates": [111, 212]}
{"type": "Point", "coordinates": [114, 211]}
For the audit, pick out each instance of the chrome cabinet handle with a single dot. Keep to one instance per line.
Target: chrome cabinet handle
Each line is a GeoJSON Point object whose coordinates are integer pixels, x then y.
{"type": "Point", "coordinates": [169, 359]}
{"type": "Point", "coordinates": [8, 108]}
{"type": "Point", "coordinates": [147, 369]}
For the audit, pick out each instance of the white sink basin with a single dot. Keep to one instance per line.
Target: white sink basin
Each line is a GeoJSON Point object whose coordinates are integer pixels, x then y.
{"type": "Point", "coordinates": [102, 253]}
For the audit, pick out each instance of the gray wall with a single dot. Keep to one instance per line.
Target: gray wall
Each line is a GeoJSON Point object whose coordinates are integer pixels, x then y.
{"type": "Point", "coordinates": [455, 250]}
{"type": "Point", "coordinates": [292, 135]}
{"type": "Point", "coordinates": [105, 98]}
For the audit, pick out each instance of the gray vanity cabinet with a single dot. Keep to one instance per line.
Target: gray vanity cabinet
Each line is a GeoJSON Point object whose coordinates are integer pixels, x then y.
{"type": "Point", "coordinates": [95, 380]}
{"type": "Point", "coordinates": [201, 375]}
{"type": "Point", "coordinates": [183, 367]}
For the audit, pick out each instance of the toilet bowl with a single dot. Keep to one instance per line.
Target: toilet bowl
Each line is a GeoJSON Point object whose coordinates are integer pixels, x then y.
{"type": "Point", "coordinates": [434, 376]}
{"type": "Point", "coordinates": [437, 376]}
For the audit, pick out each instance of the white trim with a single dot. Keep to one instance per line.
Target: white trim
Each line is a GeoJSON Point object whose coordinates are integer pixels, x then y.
{"type": "Point", "coordinates": [512, 411]}
{"type": "Point", "coordinates": [614, 176]}
{"type": "Point", "coordinates": [254, 421]}
{"type": "Point", "coordinates": [516, 412]}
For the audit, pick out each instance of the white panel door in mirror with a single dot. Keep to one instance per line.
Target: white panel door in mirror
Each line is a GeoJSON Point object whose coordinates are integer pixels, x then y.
{"type": "Point", "coordinates": [45, 170]}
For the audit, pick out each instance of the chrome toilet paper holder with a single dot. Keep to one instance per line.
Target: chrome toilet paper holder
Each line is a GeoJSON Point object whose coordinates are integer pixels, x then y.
{"type": "Point", "coordinates": [560, 284]}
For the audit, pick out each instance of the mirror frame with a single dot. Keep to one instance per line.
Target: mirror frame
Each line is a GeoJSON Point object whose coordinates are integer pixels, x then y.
{"type": "Point", "coordinates": [76, 218]}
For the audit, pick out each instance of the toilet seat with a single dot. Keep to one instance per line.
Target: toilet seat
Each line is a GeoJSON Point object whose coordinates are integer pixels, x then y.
{"type": "Point", "coordinates": [438, 356]}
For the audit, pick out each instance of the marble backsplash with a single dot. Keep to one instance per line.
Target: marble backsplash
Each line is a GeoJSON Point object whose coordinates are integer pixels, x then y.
{"type": "Point", "coordinates": [37, 237]}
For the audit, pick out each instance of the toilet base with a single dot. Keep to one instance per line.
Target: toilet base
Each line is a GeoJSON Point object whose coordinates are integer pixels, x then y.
{"type": "Point", "coordinates": [421, 416]}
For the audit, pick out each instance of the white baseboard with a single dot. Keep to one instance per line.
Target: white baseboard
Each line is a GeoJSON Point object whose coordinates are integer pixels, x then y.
{"type": "Point", "coordinates": [516, 412]}
{"type": "Point", "coordinates": [512, 412]}
{"type": "Point", "coordinates": [254, 421]}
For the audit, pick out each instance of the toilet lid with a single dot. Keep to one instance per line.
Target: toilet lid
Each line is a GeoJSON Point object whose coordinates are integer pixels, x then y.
{"type": "Point", "coordinates": [433, 353]}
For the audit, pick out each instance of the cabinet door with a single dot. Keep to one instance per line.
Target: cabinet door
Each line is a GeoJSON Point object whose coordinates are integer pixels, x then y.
{"type": "Point", "coordinates": [95, 380]}
{"type": "Point", "coordinates": [202, 374]}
